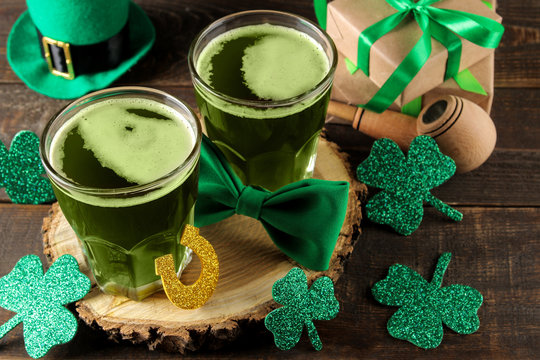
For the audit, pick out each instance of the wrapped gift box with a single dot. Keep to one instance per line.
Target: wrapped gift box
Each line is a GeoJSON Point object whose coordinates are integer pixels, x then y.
{"type": "Point", "coordinates": [483, 72]}
{"type": "Point", "coordinates": [346, 19]}
{"type": "Point", "coordinates": [357, 88]}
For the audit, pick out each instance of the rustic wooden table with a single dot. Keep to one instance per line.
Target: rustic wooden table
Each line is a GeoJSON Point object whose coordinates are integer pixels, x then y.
{"type": "Point", "coordinates": [495, 248]}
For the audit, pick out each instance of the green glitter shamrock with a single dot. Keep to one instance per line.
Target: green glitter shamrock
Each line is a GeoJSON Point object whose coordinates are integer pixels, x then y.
{"type": "Point", "coordinates": [37, 299]}
{"type": "Point", "coordinates": [21, 171]}
{"type": "Point", "coordinates": [301, 307]}
{"type": "Point", "coordinates": [405, 182]}
{"type": "Point", "coordinates": [425, 306]}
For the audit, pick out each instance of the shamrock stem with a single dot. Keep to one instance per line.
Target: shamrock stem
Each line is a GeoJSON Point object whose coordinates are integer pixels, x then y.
{"type": "Point", "coordinates": [444, 208]}
{"type": "Point", "coordinates": [442, 264]}
{"type": "Point", "coordinates": [313, 335]}
{"type": "Point", "coordinates": [9, 325]}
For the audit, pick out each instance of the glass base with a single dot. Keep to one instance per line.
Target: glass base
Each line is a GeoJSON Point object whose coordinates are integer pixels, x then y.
{"type": "Point", "coordinates": [146, 290]}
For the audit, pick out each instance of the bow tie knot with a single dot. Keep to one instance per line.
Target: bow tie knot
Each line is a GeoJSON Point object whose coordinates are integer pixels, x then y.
{"type": "Point", "coordinates": [250, 202]}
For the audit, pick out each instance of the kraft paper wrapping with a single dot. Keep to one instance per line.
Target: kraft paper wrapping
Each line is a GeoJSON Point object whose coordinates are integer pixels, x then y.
{"type": "Point", "coordinates": [358, 89]}
{"type": "Point", "coordinates": [348, 18]}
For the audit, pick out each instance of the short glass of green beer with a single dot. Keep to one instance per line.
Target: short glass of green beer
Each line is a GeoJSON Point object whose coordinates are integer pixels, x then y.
{"type": "Point", "coordinates": [262, 82]}
{"type": "Point", "coordinates": [124, 165]}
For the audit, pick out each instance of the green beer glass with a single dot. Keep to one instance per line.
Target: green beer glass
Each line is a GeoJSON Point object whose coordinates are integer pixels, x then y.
{"type": "Point", "coordinates": [124, 165]}
{"type": "Point", "coordinates": [262, 82]}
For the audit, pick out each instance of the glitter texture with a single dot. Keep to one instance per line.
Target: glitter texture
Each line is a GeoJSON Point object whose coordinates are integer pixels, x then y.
{"type": "Point", "coordinates": [405, 182]}
{"type": "Point", "coordinates": [196, 295]}
{"type": "Point", "coordinates": [21, 171]}
{"type": "Point", "coordinates": [301, 306]}
{"type": "Point", "coordinates": [424, 306]}
{"type": "Point", "coordinates": [37, 300]}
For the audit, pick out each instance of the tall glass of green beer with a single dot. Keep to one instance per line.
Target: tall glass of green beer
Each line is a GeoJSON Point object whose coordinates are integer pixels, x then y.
{"type": "Point", "coordinates": [262, 82]}
{"type": "Point", "coordinates": [124, 165]}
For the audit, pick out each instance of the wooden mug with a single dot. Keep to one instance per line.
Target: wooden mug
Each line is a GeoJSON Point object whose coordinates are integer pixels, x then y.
{"type": "Point", "coordinates": [462, 129]}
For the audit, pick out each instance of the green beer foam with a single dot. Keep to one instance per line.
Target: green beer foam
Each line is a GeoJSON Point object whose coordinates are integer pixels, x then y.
{"type": "Point", "coordinates": [140, 149]}
{"type": "Point", "coordinates": [281, 64]}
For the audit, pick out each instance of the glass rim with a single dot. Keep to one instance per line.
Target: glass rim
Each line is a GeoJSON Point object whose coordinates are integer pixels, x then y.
{"type": "Point", "coordinates": [69, 185]}
{"type": "Point", "coordinates": [321, 85]}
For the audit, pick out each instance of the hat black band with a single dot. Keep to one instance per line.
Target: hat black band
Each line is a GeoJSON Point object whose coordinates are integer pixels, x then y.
{"type": "Point", "coordinates": [88, 59]}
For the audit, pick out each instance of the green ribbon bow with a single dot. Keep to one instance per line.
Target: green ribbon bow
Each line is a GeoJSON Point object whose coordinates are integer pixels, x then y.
{"type": "Point", "coordinates": [441, 24]}
{"type": "Point", "coordinates": [303, 219]}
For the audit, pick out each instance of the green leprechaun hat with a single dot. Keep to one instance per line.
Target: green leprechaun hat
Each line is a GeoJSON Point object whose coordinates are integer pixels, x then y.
{"type": "Point", "coordinates": [67, 48]}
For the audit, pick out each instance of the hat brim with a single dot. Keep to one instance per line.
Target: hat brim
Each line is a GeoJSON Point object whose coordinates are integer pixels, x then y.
{"type": "Point", "coordinates": [24, 56]}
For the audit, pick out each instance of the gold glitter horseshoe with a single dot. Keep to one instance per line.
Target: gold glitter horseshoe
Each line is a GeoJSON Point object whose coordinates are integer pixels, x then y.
{"type": "Point", "coordinates": [196, 295]}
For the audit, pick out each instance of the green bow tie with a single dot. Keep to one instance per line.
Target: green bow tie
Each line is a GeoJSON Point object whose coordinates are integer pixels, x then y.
{"type": "Point", "coordinates": [303, 219]}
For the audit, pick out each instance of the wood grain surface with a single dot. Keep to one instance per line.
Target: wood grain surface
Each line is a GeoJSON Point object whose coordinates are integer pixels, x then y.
{"type": "Point", "coordinates": [495, 248]}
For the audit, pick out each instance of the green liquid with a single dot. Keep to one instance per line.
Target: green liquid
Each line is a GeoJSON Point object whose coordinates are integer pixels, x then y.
{"type": "Point", "coordinates": [266, 147]}
{"type": "Point", "coordinates": [118, 143]}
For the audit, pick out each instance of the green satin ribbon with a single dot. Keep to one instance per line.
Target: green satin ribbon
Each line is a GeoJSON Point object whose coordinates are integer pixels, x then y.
{"type": "Point", "coordinates": [488, 4]}
{"type": "Point", "coordinates": [465, 80]}
{"type": "Point", "coordinates": [350, 66]}
{"type": "Point", "coordinates": [413, 107]}
{"type": "Point", "coordinates": [303, 219]}
{"type": "Point", "coordinates": [442, 24]}
{"type": "Point", "coordinates": [321, 12]}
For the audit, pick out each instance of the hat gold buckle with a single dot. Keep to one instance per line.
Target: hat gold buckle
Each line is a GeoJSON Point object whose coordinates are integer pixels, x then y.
{"type": "Point", "coordinates": [70, 74]}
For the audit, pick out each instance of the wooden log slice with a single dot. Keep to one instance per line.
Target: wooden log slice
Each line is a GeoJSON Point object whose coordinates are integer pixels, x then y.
{"type": "Point", "coordinates": [249, 265]}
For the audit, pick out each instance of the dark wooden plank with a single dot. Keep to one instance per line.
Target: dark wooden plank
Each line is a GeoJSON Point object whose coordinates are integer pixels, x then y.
{"type": "Point", "coordinates": [516, 117]}
{"type": "Point", "coordinates": [24, 109]}
{"type": "Point", "coordinates": [525, 12]}
{"type": "Point", "coordinates": [517, 60]}
{"type": "Point", "coordinates": [20, 231]}
{"type": "Point", "coordinates": [509, 177]}
{"type": "Point", "coordinates": [177, 22]}
{"type": "Point", "coordinates": [515, 113]}
{"type": "Point", "coordinates": [494, 250]}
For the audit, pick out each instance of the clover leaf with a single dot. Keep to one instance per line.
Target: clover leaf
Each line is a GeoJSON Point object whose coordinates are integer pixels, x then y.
{"type": "Point", "coordinates": [21, 171]}
{"type": "Point", "coordinates": [406, 182]}
{"type": "Point", "coordinates": [38, 301]}
{"type": "Point", "coordinates": [302, 306]}
{"type": "Point", "coordinates": [424, 306]}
